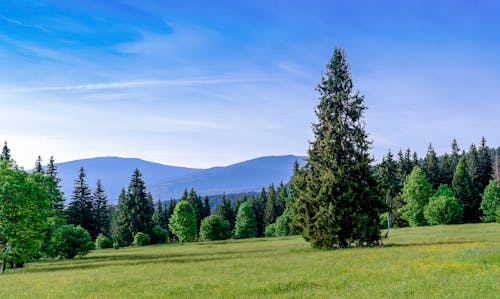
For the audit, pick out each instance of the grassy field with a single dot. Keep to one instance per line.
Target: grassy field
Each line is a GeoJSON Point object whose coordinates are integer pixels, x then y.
{"type": "Point", "coordinates": [460, 261]}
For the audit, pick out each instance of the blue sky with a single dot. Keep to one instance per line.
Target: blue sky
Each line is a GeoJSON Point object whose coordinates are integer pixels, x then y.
{"type": "Point", "coordinates": [213, 83]}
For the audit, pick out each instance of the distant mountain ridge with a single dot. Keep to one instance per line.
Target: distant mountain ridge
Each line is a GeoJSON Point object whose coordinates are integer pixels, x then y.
{"type": "Point", "coordinates": [166, 182]}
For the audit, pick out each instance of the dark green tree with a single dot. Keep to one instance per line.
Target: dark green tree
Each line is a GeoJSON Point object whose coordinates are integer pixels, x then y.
{"type": "Point", "coordinates": [5, 155]}
{"type": "Point", "coordinates": [57, 201]}
{"type": "Point", "coordinates": [281, 196]}
{"type": "Point", "coordinates": [246, 226]}
{"type": "Point", "coordinates": [101, 210]}
{"type": "Point", "coordinates": [159, 216]}
{"type": "Point", "coordinates": [387, 176]}
{"type": "Point", "coordinates": [214, 228]}
{"type": "Point", "coordinates": [69, 241]}
{"type": "Point", "coordinates": [339, 206]}
{"type": "Point", "coordinates": [80, 211]}
{"type": "Point", "coordinates": [431, 167]}
{"type": "Point", "coordinates": [259, 206]}
{"type": "Point", "coordinates": [225, 211]}
{"type": "Point", "coordinates": [140, 205]}
{"type": "Point", "coordinates": [207, 211]}
{"type": "Point", "coordinates": [270, 210]}
{"type": "Point", "coordinates": [38, 165]}
{"type": "Point", "coordinates": [463, 189]}
{"type": "Point", "coordinates": [484, 166]}
{"type": "Point", "coordinates": [195, 200]}
{"type": "Point", "coordinates": [472, 213]}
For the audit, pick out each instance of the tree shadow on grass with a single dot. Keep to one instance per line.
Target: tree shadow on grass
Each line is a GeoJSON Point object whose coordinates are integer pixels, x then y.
{"type": "Point", "coordinates": [142, 259]}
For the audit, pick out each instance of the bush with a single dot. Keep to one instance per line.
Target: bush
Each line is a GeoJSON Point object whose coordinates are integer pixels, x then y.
{"type": "Point", "coordinates": [159, 235]}
{"type": "Point", "coordinates": [116, 245]}
{"type": "Point", "coordinates": [102, 241]}
{"type": "Point", "coordinates": [141, 239]}
{"type": "Point", "coordinates": [69, 241]}
{"type": "Point", "coordinates": [443, 210]}
{"type": "Point", "coordinates": [490, 202]}
{"type": "Point", "coordinates": [270, 230]}
{"type": "Point", "coordinates": [383, 220]}
{"type": "Point", "coordinates": [284, 224]}
{"type": "Point", "coordinates": [214, 228]}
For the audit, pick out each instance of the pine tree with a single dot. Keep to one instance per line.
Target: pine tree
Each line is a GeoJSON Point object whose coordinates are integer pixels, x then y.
{"type": "Point", "coordinates": [471, 210]}
{"type": "Point", "coordinates": [447, 169]}
{"type": "Point", "coordinates": [101, 210]}
{"type": "Point", "coordinates": [195, 200]}
{"type": "Point", "coordinates": [463, 189]}
{"type": "Point", "coordinates": [431, 167]}
{"type": "Point", "coordinates": [5, 155]}
{"type": "Point", "coordinates": [404, 165]}
{"type": "Point", "coordinates": [119, 220]}
{"type": "Point", "coordinates": [38, 165]}
{"type": "Point", "coordinates": [455, 153]}
{"type": "Point", "coordinates": [81, 209]}
{"type": "Point", "coordinates": [269, 212]}
{"type": "Point", "coordinates": [207, 211]}
{"type": "Point", "coordinates": [159, 216]}
{"type": "Point", "coordinates": [496, 165]}
{"type": "Point", "coordinates": [339, 206]}
{"type": "Point", "coordinates": [57, 202]}
{"type": "Point", "coordinates": [281, 196]}
{"type": "Point", "coordinates": [259, 206]}
{"type": "Point", "coordinates": [387, 176]}
{"type": "Point", "coordinates": [484, 166]}
{"type": "Point", "coordinates": [225, 211]}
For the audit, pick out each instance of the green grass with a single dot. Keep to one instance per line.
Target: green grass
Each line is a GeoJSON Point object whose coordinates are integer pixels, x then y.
{"type": "Point", "coordinates": [459, 261]}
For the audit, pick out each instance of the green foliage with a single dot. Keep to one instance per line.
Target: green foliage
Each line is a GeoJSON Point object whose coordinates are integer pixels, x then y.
{"type": "Point", "coordinates": [80, 211]}
{"type": "Point", "coordinates": [141, 239]}
{"type": "Point", "coordinates": [444, 190]}
{"type": "Point", "coordinates": [387, 177]}
{"type": "Point", "coordinates": [116, 245]}
{"type": "Point", "coordinates": [498, 214]}
{"type": "Point", "coordinates": [284, 224]}
{"type": "Point", "coordinates": [225, 211]}
{"type": "Point", "coordinates": [270, 210]}
{"type": "Point", "coordinates": [214, 228]}
{"type": "Point", "coordinates": [431, 167]}
{"type": "Point", "coordinates": [5, 155]}
{"type": "Point", "coordinates": [443, 209]}
{"type": "Point", "coordinates": [337, 205]}
{"type": "Point", "coordinates": [246, 226]}
{"type": "Point", "coordinates": [159, 235]}
{"type": "Point", "coordinates": [69, 241]}
{"type": "Point", "coordinates": [24, 212]}
{"type": "Point", "coordinates": [159, 216]}
{"type": "Point", "coordinates": [464, 190]}
{"type": "Point", "coordinates": [102, 242]}
{"type": "Point", "coordinates": [183, 222]}
{"type": "Point", "coordinates": [416, 192]}
{"type": "Point", "coordinates": [101, 210]}
{"type": "Point", "coordinates": [491, 201]}
{"type": "Point", "coordinates": [270, 230]}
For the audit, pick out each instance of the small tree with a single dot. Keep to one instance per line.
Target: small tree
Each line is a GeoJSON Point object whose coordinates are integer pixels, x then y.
{"type": "Point", "coordinates": [443, 210]}
{"type": "Point", "coordinates": [246, 226]}
{"type": "Point", "coordinates": [183, 222]}
{"type": "Point", "coordinates": [69, 241]}
{"type": "Point", "coordinates": [491, 201]}
{"type": "Point", "coordinates": [141, 239]}
{"type": "Point", "coordinates": [214, 228]}
{"type": "Point", "coordinates": [416, 192]}
{"type": "Point", "coordinates": [102, 241]}
{"type": "Point", "coordinates": [270, 230]}
{"type": "Point", "coordinates": [159, 235]}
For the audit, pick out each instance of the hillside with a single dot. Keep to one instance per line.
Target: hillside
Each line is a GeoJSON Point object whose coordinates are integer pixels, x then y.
{"type": "Point", "coordinates": [166, 182]}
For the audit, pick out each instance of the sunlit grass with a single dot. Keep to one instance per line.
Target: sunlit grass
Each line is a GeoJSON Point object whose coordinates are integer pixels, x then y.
{"type": "Point", "coordinates": [460, 261]}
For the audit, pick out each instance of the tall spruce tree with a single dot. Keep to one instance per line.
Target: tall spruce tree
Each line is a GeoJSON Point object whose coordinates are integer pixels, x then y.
{"type": "Point", "coordinates": [339, 206]}
{"type": "Point", "coordinates": [38, 165]}
{"type": "Point", "coordinates": [281, 196]}
{"type": "Point", "coordinates": [471, 211]}
{"type": "Point", "coordinates": [431, 167]}
{"type": "Point", "coordinates": [195, 200]}
{"type": "Point", "coordinates": [159, 216]}
{"type": "Point", "coordinates": [484, 166]}
{"type": "Point", "coordinates": [101, 210]}
{"type": "Point", "coordinates": [207, 211]}
{"type": "Point", "coordinates": [270, 211]}
{"type": "Point", "coordinates": [259, 206]}
{"type": "Point", "coordinates": [463, 189]}
{"type": "Point", "coordinates": [57, 202]}
{"type": "Point", "coordinates": [225, 211]}
{"type": "Point", "coordinates": [5, 155]}
{"type": "Point", "coordinates": [387, 175]}
{"type": "Point", "coordinates": [81, 209]}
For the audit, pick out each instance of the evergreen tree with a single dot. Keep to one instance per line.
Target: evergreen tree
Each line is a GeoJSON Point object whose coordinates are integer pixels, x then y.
{"type": "Point", "coordinates": [159, 216]}
{"type": "Point", "coordinates": [416, 192]}
{"type": "Point", "coordinates": [101, 210]}
{"type": "Point", "coordinates": [119, 220]}
{"type": "Point", "coordinates": [80, 211]}
{"type": "Point", "coordinates": [471, 211]}
{"type": "Point", "coordinates": [5, 155]}
{"type": "Point", "coordinates": [339, 206]}
{"type": "Point", "coordinates": [404, 166]}
{"type": "Point", "coordinates": [269, 212]}
{"type": "Point", "coordinates": [431, 167]}
{"type": "Point", "coordinates": [206, 208]}
{"type": "Point", "coordinates": [484, 166]}
{"type": "Point", "coordinates": [463, 189]}
{"type": "Point", "coordinates": [496, 165]}
{"type": "Point", "coordinates": [169, 211]}
{"type": "Point", "coordinates": [455, 154]}
{"type": "Point", "coordinates": [38, 165]}
{"type": "Point", "coordinates": [195, 200]}
{"type": "Point", "coordinates": [57, 202]}
{"type": "Point", "coordinates": [140, 207]}
{"type": "Point", "coordinates": [259, 206]}
{"type": "Point", "coordinates": [387, 176]}
{"type": "Point", "coordinates": [281, 196]}
{"type": "Point", "coordinates": [447, 169]}
{"type": "Point", "coordinates": [225, 211]}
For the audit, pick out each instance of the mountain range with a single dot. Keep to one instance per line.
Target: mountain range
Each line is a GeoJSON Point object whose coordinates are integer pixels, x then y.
{"type": "Point", "coordinates": [166, 182]}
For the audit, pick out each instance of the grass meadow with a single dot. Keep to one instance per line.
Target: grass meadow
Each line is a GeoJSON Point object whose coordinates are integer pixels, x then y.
{"type": "Point", "coordinates": [457, 261]}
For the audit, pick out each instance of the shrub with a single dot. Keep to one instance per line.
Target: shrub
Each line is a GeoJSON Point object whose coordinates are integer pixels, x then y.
{"type": "Point", "coordinates": [69, 241]}
{"type": "Point", "coordinates": [159, 235]}
{"type": "Point", "coordinates": [498, 215]}
{"type": "Point", "coordinates": [491, 201]}
{"type": "Point", "coordinates": [443, 210]}
{"type": "Point", "coordinates": [116, 245]}
{"type": "Point", "coordinates": [270, 230]}
{"type": "Point", "coordinates": [383, 220]}
{"type": "Point", "coordinates": [141, 239]}
{"type": "Point", "coordinates": [246, 225]}
{"type": "Point", "coordinates": [102, 241]}
{"type": "Point", "coordinates": [284, 224]}
{"type": "Point", "coordinates": [183, 222]}
{"type": "Point", "coordinates": [214, 228]}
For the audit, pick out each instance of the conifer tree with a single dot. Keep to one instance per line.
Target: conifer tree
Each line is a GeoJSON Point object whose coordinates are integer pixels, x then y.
{"type": "Point", "coordinates": [387, 176]}
{"type": "Point", "coordinates": [269, 212]}
{"type": "Point", "coordinates": [38, 165]}
{"type": "Point", "coordinates": [57, 202]}
{"type": "Point", "coordinates": [101, 210]}
{"type": "Point", "coordinates": [339, 206]}
{"type": "Point", "coordinates": [225, 211]}
{"type": "Point", "coordinates": [455, 154]}
{"type": "Point", "coordinates": [206, 208]}
{"type": "Point", "coordinates": [5, 155]}
{"type": "Point", "coordinates": [281, 196]}
{"type": "Point", "coordinates": [81, 209]}
{"type": "Point", "coordinates": [431, 167]}
{"type": "Point", "coordinates": [463, 189]}
{"type": "Point", "coordinates": [159, 216]}
{"type": "Point", "coordinates": [484, 166]}
{"type": "Point", "coordinates": [195, 200]}
{"type": "Point", "coordinates": [471, 209]}
{"type": "Point", "coordinates": [447, 169]}
{"type": "Point", "coordinates": [404, 165]}
{"type": "Point", "coordinates": [259, 206]}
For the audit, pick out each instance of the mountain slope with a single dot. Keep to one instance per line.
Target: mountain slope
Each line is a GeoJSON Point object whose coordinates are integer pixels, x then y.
{"type": "Point", "coordinates": [167, 182]}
